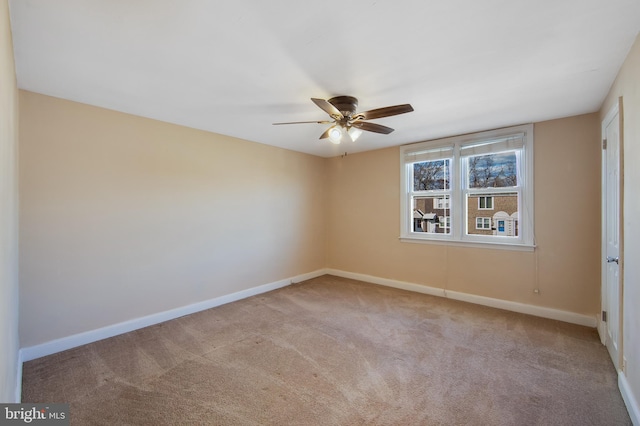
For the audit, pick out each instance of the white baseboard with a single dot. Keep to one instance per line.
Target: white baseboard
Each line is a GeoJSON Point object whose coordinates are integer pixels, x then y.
{"type": "Point", "coordinates": [309, 276]}
{"type": "Point", "coordinates": [64, 343]}
{"type": "Point", "coordinates": [59, 345]}
{"type": "Point", "coordinates": [388, 282]}
{"type": "Point", "coordinates": [629, 399]}
{"type": "Point", "coordinates": [538, 311]}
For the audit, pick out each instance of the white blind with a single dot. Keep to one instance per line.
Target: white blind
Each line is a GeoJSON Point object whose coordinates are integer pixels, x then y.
{"type": "Point", "coordinates": [428, 154]}
{"type": "Point", "coordinates": [507, 143]}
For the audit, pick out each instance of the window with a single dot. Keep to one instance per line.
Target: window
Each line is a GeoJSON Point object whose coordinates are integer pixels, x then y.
{"type": "Point", "coordinates": [444, 222]}
{"type": "Point", "coordinates": [485, 203]}
{"type": "Point", "coordinates": [472, 189]}
{"type": "Point", "coordinates": [483, 223]}
{"type": "Point", "coordinates": [440, 203]}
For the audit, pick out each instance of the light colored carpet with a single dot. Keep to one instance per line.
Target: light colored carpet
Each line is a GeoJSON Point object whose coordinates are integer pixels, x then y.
{"type": "Point", "coordinates": [333, 351]}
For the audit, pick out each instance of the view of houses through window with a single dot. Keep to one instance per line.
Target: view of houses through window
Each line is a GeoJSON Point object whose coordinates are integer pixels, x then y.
{"type": "Point", "coordinates": [432, 214]}
{"type": "Point", "coordinates": [487, 213]}
{"type": "Point", "coordinates": [499, 218]}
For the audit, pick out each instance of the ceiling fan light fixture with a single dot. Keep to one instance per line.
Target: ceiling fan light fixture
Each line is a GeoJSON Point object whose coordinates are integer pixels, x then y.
{"type": "Point", "coordinates": [354, 133]}
{"type": "Point", "coordinates": [335, 135]}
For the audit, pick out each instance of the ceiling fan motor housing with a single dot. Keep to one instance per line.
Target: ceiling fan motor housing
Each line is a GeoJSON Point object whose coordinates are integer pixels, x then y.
{"type": "Point", "coordinates": [347, 105]}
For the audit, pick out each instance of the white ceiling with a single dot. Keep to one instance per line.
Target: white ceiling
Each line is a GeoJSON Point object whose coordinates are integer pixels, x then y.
{"type": "Point", "coordinates": [235, 67]}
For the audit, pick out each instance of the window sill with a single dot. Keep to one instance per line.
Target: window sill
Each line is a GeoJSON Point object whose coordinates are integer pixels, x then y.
{"type": "Point", "coordinates": [473, 244]}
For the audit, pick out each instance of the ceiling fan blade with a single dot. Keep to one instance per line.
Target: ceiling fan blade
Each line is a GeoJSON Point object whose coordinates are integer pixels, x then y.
{"type": "Point", "coordinates": [328, 108]}
{"type": "Point", "coordinates": [385, 112]}
{"type": "Point", "coordinates": [304, 122]}
{"type": "Point", "coordinates": [372, 127]}
{"type": "Point", "coordinates": [326, 133]}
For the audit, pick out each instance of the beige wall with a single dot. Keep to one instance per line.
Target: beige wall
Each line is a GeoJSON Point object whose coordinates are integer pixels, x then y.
{"type": "Point", "coordinates": [123, 216]}
{"type": "Point", "coordinates": [364, 226]}
{"type": "Point", "coordinates": [8, 213]}
{"type": "Point", "coordinates": [627, 86]}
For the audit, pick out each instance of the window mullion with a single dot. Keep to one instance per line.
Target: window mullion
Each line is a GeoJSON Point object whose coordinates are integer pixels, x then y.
{"type": "Point", "coordinates": [459, 217]}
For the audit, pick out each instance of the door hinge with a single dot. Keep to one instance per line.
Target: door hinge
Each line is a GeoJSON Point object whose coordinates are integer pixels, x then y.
{"type": "Point", "coordinates": [604, 144]}
{"type": "Point", "coordinates": [604, 316]}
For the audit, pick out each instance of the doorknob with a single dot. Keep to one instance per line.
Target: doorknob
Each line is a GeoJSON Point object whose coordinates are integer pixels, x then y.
{"type": "Point", "coordinates": [612, 259]}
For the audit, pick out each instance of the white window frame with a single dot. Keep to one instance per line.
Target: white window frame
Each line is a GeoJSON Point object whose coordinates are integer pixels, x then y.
{"type": "Point", "coordinates": [451, 148]}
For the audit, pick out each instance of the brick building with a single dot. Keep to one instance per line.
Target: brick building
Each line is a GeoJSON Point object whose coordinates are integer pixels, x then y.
{"type": "Point", "coordinates": [495, 214]}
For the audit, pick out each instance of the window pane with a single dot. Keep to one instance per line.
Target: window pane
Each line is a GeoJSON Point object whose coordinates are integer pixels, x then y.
{"type": "Point", "coordinates": [431, 175]}
{"type": "Point", "coordinates": [492, 170]}
{"type": "Point", "coordinates": [485, 202]}
{"type": "Point", "coordinates": [432, 214]}
{"type": "Point", "coordinates": [504, 217]}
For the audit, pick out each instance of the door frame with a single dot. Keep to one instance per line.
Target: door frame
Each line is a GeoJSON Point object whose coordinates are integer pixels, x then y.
{"type": "Point", "coordinates": [616, 109]}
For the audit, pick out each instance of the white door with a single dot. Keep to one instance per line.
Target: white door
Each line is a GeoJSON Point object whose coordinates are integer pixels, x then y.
{"type": "Point", "coordinates": [611, 289]}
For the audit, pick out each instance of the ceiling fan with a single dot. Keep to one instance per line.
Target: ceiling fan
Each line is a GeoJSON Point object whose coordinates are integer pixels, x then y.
{"type": "Point", "coordinates": [347, 123]}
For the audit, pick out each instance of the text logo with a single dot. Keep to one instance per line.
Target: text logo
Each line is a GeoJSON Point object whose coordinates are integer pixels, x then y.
{"type": "Point", "coordinates": [34, 414]}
